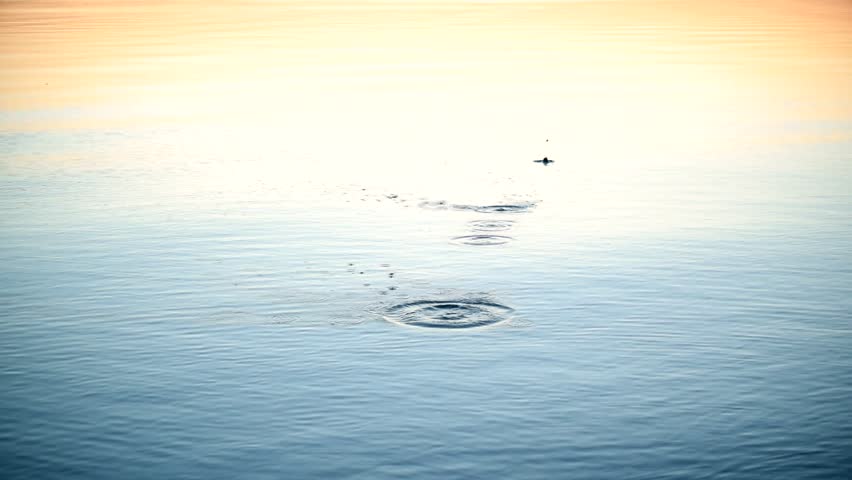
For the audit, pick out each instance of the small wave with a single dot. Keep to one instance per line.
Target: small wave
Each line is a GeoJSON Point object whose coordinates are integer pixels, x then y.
{"type": "Point", "coordinates": [491, 225]}
{"type": "Point", "coordinates": [504, 208]}
{"type": "Point", "coordinates": [520, 207]}
{"type": "Point", "coordinates": [457, 313]}
{"type": "Point", "coordinates": [481, 240]}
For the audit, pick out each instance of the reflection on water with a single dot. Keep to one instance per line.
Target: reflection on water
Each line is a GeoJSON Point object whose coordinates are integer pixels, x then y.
{"type": "Point", "coordinates": [651, 74]}
{"type": "Point", "coordinates": [216, 219]}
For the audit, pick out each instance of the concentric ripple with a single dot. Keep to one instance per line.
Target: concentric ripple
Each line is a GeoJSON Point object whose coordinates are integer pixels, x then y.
{"type": "Point", "coordinates": [481, 240]}
{"type": "Point", "coordinates": [491, 225]}
{"type": "Point", "coordinates": [496, 208]}
{"type": "Point", "coordinates": [460, 313]}
{"type": "Point", "coordinates": [504, 208]}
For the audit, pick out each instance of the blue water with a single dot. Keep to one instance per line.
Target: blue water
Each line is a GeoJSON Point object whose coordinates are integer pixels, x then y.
{"type": "Point", "coordinates": [189, 335]}
{"type": "Point", "coordinates": [326, 290]}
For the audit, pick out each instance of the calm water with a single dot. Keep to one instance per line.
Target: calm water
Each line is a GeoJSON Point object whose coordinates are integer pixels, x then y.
{"type": "Point", "coordinates": [307, 240]}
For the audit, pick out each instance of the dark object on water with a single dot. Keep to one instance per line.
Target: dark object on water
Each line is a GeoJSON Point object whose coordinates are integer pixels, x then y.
{"type": "Point", "coordinates": [544, 161]}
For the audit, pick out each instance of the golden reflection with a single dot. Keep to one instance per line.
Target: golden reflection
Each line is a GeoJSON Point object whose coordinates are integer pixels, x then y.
{"type": "Point", "coordinates": [433, 99]}
{"type": "Point", "coordinates": [637, 75]}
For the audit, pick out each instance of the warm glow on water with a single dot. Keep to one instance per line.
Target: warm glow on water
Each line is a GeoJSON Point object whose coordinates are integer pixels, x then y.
{"type": "Point", "coordinates": [376, 85]}
{"type": "Point", "coordinates": [645, 70]}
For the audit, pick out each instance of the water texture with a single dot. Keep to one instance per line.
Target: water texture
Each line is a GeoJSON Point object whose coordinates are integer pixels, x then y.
{"type": "Point", "coordinates": [458, 313]}
{"type": "Point", "coordinates": [482, 240]}
{"type": "Point", "coordinates": [307, 240]}
{"type": "Point", "coordinates": [491, 225]}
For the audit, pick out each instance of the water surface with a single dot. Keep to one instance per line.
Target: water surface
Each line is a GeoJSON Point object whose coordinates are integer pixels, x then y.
{"type": "Point", "coordinates": [232, 239]}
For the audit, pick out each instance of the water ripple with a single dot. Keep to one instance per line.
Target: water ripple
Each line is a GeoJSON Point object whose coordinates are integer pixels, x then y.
{"type": "Point", "coordinates": [481, 240]}
{"type": "Point", "coordinates": [456, 313]}
{"type": "Point", "coordinates": [491, 225]}
{"type": "Point", "coordinates": [514, 207]}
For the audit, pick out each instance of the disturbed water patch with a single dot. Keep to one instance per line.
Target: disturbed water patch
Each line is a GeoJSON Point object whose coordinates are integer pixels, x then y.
{"type": "Point", "coordinates": [491, 225]}
{"type": "Point", "coordinates": [454, 314]}
{"type": "Point", "coordinates": [481, 240]}
{"type": "Point", "coordinates": [436, 205]}
{"type": "Point", "coordinates": [519, 207]}
{"type": "Point", "coordinates": [503, 208]}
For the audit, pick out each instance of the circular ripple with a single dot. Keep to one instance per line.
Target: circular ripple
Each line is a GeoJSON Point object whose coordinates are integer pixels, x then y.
{"type": "Point", "coordinates": [491, 225]}
{"type": "Point", "coordinates": [497, 208]}
{"type": "Point", "coordinates": [448, 313]}
{"type": "Point", "coordinates": [507, 208]}
{"type": "Point", "coordinates": [481, 240]}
